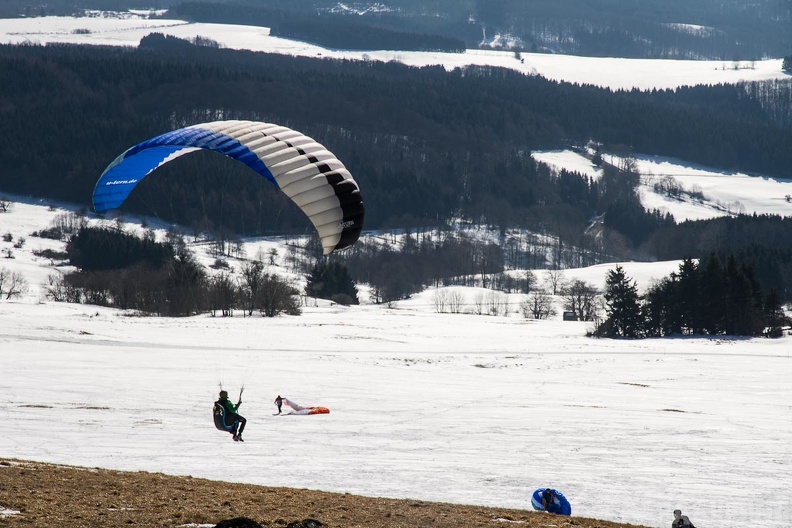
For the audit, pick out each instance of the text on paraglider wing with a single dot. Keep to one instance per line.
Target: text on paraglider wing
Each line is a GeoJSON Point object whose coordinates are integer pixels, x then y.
{"type": "Point", "coordinates": [121, 182]}
{"type": "Point", "coordinates": [348, 223]}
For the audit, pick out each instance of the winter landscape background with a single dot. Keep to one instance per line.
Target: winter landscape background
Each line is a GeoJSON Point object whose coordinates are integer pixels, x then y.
{"type": "Point", "coordinates": [444, 407]}
{"type": "Point", "coordinates": [615, 73]}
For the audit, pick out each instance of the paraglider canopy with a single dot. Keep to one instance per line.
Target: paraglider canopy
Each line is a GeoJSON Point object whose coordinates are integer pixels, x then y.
{"type": "Point", "coordinates": [303, 169]}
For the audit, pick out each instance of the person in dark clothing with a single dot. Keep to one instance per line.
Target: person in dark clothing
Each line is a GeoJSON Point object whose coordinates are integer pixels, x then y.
{"type": "Point", "coordinates": [681, 521]}
{"type": "Point", "coordinates": [550, 502]}
{"type": "Point", "coordinates": [232, 416]}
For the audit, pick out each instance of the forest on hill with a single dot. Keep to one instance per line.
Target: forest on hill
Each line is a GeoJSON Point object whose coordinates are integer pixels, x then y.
{"type": "Point", "coordinates": [673, 29]}
{"type": "Point", "coordinates": [713, 29]}
{"type": "Point", "coordinates": [425, 145]}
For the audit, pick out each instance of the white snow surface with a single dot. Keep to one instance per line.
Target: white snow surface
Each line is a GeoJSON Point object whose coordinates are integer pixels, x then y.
{"type": "Point", "coordinates": [126, 29]}
{"type": "Point", "coordinates": [725, 192]}
{"type": "Point", "coordinates": [455, 408]}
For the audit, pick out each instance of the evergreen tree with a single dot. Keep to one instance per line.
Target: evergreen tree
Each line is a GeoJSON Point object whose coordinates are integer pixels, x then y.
{"type": "Point", "coordinates": [713, 309]}
{"type": "Point", "coordinates": [658, 308]}
{"type": "Point", "coordinates": [332, 281]}
{"type": "Point", "coordinates": [623, 306]}
{"type": "Point", "coordinates": [774, 314]}
{"type": "Point", "coordinates": [688, 298]}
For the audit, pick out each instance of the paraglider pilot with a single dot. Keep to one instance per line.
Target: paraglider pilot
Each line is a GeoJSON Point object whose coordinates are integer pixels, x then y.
{"type": "Point", "coordinates": [681, 521]}
{"type": "Point", "coordinates": [231, 414]}
{"type": "Point", "coordinates": [550, 502]}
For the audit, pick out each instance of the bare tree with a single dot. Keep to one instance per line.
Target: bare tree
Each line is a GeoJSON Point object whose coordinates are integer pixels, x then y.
{"type": "Point", "coordinates": [59, 290]}
{"type": "Point", "coordinates": [581, 297]}
{"type": "Point", "coordinates": [222, 294]}
{"type": "Point", "coordinates": [555, 280]}
{"type": "Point", "coordinates": [440, 300]}
{"type": "Point", "coordinates": [497, 303]}
{"type": "Point", "coordinates": [629, 164]}
{"type": "Point", "coordinates": [252, 278]}
{"type": "Point", "coordinates": [277, 296]}
{"type": "Point", "coordinates": [12, 284]}
{"type": "Point", "coordinates": [456, 301]}
{"type": "Point", "coordinates": [538, 305]}
{"type": "Point", "coordinates": [67, 224]}
{"type": "Point", "coordinates": [478, 304]}
{"type": "Point", "coordinates": [5, 204]}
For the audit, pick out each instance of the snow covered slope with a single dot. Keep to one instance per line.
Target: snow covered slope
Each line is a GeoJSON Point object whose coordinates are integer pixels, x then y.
{"type": "Point", "coordinates": [126, 29]}
{"type": "Point", "coordinates": [457, 408]}
{"type": "Point", "coordinates": [724, 193]}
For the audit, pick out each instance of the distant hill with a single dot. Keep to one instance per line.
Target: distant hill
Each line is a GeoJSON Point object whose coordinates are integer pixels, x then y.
{"type": "Point", "coordinates": [712, 29]}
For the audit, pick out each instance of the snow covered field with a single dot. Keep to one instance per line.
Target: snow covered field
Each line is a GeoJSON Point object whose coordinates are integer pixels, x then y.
{"type": "Point", "coordinates": [616, 73]}
{"type": "Point", "coordinates": [724, 192]}
{"type": "Point", "coordinates": [456, 408]}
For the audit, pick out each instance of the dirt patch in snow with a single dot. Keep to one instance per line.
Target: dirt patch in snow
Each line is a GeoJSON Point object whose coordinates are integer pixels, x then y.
{"type": "Point", "coordinates": [47, 495]}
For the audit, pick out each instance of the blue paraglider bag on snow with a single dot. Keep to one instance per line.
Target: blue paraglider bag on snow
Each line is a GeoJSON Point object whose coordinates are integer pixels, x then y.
{"type": "Point", "coordinates": [560, 506]}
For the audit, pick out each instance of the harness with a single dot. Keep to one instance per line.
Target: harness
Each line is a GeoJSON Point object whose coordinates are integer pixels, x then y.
{"type": "Point", "coordinates": [221, 419]}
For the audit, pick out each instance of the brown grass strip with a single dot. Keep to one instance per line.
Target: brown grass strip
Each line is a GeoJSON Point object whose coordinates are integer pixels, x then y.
{"type": "Point", "coordinates": [58, 496]}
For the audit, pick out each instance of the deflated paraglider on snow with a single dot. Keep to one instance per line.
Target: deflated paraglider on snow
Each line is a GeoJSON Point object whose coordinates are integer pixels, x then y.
{"type": "Point", "coordinates": [303, 169]}
{"type": "Point", "coordinates": [299, 409]}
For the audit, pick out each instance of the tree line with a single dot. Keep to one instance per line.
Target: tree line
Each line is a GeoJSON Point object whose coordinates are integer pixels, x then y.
{"type": "Point", "coordinates": [671, 29]}
{"type": "Point", "coordinates": [334, 31]}
{"type": "Point", "coordinates": [125, 271]}
{"type": "Point", "coordinates": [702, 298]}
{"type": "Point", "coordinates": [714, 296]}
{"type": "Point", "coordinates": [647, 29]}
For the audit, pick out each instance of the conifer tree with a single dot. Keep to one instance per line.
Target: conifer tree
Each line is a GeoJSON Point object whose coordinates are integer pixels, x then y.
{"type": "Point", "coordinates": [713, 309]}
{"type": "Point", "coordinates": [332, 281]}
{"type": "Point", "coordinates": [623, 305]}
{"type": "Point", "coordinates": [774, 314]}
{"type": "Point", "coordinates": [688, 298]}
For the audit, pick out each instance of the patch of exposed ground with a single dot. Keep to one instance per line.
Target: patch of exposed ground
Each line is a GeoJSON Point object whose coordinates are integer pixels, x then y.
{"type": "Point", "coordinates": [50, 495]}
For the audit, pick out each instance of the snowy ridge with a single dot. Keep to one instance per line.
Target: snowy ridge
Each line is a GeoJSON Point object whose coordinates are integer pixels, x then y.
{"type": "Point", "coordinates": [615, 73]}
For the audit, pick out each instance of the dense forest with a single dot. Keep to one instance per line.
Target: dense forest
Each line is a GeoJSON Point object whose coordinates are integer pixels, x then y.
{"type": "Point", "coordinates": [328, 30]}
{"type": "Point", "coordinates": [425, 145]}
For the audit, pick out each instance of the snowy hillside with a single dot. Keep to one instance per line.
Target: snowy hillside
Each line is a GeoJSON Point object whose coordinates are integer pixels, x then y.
{"type": "Point", "coordinates": [460, 408]}
{"type": "Point", "coordinates": [456, 408]}
{"type": "Point", "coordinates": [127, 29]}
{"type": "Point", "coordinates": [724, 193]}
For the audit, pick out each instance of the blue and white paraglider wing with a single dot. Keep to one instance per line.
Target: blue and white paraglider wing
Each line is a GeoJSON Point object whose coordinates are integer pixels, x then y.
{"type": "Point", "coordinates": [303, 169]}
